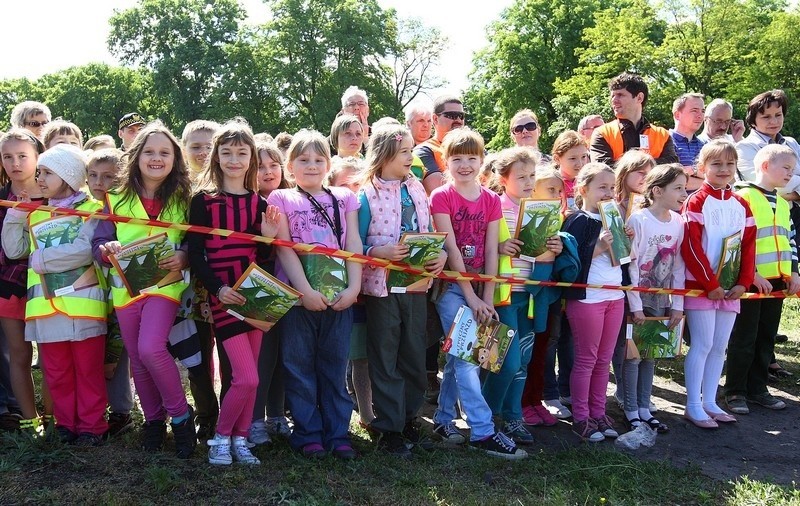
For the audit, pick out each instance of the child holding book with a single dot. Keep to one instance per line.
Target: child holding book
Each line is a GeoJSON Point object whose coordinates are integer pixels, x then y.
{"type": "Point", "coordinates": [154, 184]}
{"type": "Point", "coordinates": [394, 202]}
{"type": "Point", "coordinates": [315, 336]}
{"type": "Point", "coordinates": [752, 342]}
{"type": "Point", "coordinates": [657, 235]}
{"type": "Point", "coordinates": [715, 218]}
{"type": "Point", "coordinates": [69, 328]}
{"type": "Point", "coordinates": [470, 215]}
{"type": "Point", "coordinates": [570, 154]}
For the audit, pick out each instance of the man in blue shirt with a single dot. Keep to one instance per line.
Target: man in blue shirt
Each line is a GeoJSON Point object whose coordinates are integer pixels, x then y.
{"type": "Point", "coordinates": [688, 111]}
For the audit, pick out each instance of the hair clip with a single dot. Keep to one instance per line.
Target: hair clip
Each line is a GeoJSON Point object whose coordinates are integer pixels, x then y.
{"type": "Point", "coordinates": [398, 137]}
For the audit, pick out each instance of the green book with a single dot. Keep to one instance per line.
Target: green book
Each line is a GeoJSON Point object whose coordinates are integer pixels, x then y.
{"type": "Point", "coordinates": [327, 275]}
{"type": "Point", "coordinates": [268, 299]}
{"type": "Point", "coordinates": [538, 221]}
{"type": "Point", "coordinates": [482, 344]}
{"type": "Point", "coordinates": [422, 248]}
{"type": "Point", "coordinates": [612, 221]}
{"type": "Point", "coordinates": [654, 338]}
{"type": "Point", "coordinates": [137, 264]}
{"type": "Point", "coordinates": [730, 261]}
{"type": "Point", "coordinates": [55, 232]}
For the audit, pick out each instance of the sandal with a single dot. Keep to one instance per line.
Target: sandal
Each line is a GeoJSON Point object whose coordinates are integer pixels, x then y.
{"type": "Point", "coordinates": [632, 424]}
{"type": "Point", "coordinates": [780, 372]}
{"type": "Point", "coordinates": [657, 426]}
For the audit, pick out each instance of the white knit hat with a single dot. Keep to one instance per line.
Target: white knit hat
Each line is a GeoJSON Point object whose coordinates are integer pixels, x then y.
{"type": "Point", "coordinates": [68, 162]}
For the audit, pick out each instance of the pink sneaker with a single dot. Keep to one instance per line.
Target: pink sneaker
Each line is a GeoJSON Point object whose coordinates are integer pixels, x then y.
{"type": "Point", "coordinates": [531, 416]}
{"type": "Point", "coordinates": [547, 419]}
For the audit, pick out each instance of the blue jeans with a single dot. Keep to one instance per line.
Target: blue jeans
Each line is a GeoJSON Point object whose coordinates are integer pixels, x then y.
{"type": "Point", "coordinates": [560, 344]}
{"type": "Point", "coordinates": [461, 379]}
{"type": "Point", "coordinates": [314, 349]}
{"type": "Point", "coordinates": [503, 390]}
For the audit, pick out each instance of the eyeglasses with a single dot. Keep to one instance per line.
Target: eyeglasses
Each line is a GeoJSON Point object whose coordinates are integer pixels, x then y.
{"type": "Point", "coordinates": [530, 126]}
{"type": "Point", "coordinates": [360, 103]}
{"type": "Point", "coordinates": [452, 115]}
{"type": "Point", "coordinates": [721, 122]}
{"type": "Point", "coordinates": [36, 124]}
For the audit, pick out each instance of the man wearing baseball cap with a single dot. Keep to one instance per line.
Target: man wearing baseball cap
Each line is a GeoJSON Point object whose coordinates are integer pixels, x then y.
{"type": "Point", "coordinates": [129, 126]}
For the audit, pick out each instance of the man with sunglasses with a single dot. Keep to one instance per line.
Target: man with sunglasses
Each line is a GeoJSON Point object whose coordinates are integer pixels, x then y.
{"type": "Point", "coordinates": [718, 120]}
{"type": "Point", "coordinates": [448, 114]}
{"type": "Point", "coordinates": [630, 129]}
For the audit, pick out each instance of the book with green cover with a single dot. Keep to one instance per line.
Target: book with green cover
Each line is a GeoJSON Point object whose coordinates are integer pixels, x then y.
{"type": "Point", "coordinates": [730, 261]}
{"type": "Point", "coordinates": [268, 299]}
{"type": "Point", "coordinates": [55, 232]}
{"type": "Point", "coordinates": [482, 344]}
{"type": "Point", "coordinates": [325, 274]}
{"type": "Point", "coordinates": [538, 220]}
{"type": "Point", "coordinates": [612, 221]}
{"type": "Point", "coordinates": [137, 264]}
{"type": "Point", "coordinates": [654, 338]}
{"type": "Point", "coordinates": [422, 248]}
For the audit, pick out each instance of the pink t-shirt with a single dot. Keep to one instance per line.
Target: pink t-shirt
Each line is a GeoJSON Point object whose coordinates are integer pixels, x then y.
{"type": "Point", "coordinates": [470, 220]}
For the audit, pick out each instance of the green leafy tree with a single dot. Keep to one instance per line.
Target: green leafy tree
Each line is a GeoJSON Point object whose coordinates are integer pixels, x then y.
{"type": "Point", "coordinates": [14, 91]}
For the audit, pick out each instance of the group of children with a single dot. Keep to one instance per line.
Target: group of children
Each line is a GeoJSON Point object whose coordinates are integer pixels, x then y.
{"type": "Point", "coordinates": [221, 177]}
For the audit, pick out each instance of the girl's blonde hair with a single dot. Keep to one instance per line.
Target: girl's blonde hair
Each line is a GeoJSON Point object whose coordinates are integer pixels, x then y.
{"type": "Point", "coordinates": [632, 161]}
{"type": "Point", "coordinates": [106, 155]}
{"type": "Point", "coordinates": [238, 133]}
{"type": "Point", "coordinates": [61, 127]}
{"type": "Point", "coordinates": [175, 191]}
{"type": "Point", "coordinates": [508, 157]}
{"type": "Point", "coordinates": [462, 141]}
{"type": "Point", "coordinates": [565, 141]}
{"type": "Point", "coordinates": [307, 139]}
{"type": "Point", "coordinates": [717, 148]}
{"type": "Point", "coordinates": [487, 177]}
{"type": "Point", "coordinates": [18, 134]}
{"type": "Point", "coordinates": [384, 144]}
{"type": "Point", "coordinates": [339, 165]}
{"type": "Point", "coordinates": [585, 178]}
{"type": "Point", "coordinates": [546, 172]}
{"type": "Point", "coordinates": [660, 177]}
{"type": "Point", "coordinates": [271, 151]}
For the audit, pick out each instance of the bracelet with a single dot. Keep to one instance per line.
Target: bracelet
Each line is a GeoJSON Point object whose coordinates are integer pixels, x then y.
{"type": "Point", "coordinates": [220, 289]}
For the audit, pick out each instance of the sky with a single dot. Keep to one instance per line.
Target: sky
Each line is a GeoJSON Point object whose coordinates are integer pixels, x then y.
{"type": "Point", "coordinates": [87, 23]}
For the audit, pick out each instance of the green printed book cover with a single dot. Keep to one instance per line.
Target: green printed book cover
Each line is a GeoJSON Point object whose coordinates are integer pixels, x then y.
{"type": "Point", "coordinates": [612, 221]}
{"type": "Point", "coordinates": [654, 338]}
{"type": "Point", "coordinates": [422, 248]}
{"type": "Point", "coordinates": [268, 299]}
{"type": "Point", "coordinates": [538, 221]}
{"type": "Point", "coordinates": [482, 344]}
{"type": "Point", "coordinates": [137, 264]}
{"type": "Point", "coordinates": [325, 274]}
{"type": "Point", "coordinates": [55, 232]}
{"type": "Point", "coordinates": [730, 261]}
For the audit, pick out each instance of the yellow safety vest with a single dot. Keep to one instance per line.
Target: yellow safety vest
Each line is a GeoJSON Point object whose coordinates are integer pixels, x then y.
{"type": "Point", "coordinates": [773, 252]}
{"type": "Point", "coordinates": [128, 233]}
{"type": "Point", "coordinates": [87, 303]}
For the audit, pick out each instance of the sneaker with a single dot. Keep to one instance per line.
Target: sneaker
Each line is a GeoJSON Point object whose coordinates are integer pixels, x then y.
{"type": "Point", "coordinates": [547, 419]}
{"type": "Point", "coordinates": [450, 433]}
{"type": "Point", "coordinates": [278, 426]}
{"type": "Point", "coordinates": [532, 417]}
{"type": "Point", "coordinates": [606, 426]}
{"type": "Point", "coordinates": [587, 430]}
{"type": "Point", "coordinates": [205, 431]}
{"type": "Point", "coordinates": [119, 423]}
{"type": "Point", "coordinates": [240, 451]}
{"type": "Point", "coordinates": [557, 408]}
{"type": "Point", "coordinates": [345, 452]}
{"type": "Point", "coordinates": [258, 433]}
{"type": "Point", "coordinates": [153, 435]}
{"type": "Point", "coordinates": [219, 450]}
{"type": "Point", "coordinates": [767, 400]}
{"type": "Point", "coordinates": [393, 443]}
{"type": "Point", "coordinates": [499, 445]}
{"type": "Point", "coordinates": [737, 404]}
{"type": "Point", "coordinates": [516, 430]}
{"type": "Point", "coordinates": [413, 436]}
{"type": "Point", "coordinates": [87, 439]}
{"type": "Point", "coordinates": [565, 400]}
{"type": "Point", "coordinates": [313, 451]}
{"type": "Point", "coordinates": [185, 436]}
{"type": "Point", "coordinates": [63, 435]}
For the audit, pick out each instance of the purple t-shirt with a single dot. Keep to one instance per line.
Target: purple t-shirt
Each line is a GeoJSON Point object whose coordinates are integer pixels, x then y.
{"type": "Point", "coordinates": [470, 220]}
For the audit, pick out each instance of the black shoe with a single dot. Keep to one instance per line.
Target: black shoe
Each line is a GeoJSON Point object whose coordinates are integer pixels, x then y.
{"type": "Point", "coordinates": [9, 422]}
{"type": "Point", "coordinates": [119, 423]}
{"type": "Point", "coordinates": [153, 435]}
{"type": "Point", "coordinates": [185, 436]}
{"type": "Point", "coordinates": [412, 433]}
{"type": "Point", "coordinates": [61, 434]}
{"type": "Point", "coordinates": [781, 338]}
{"type": "Point", "coordinates": [87, 439]}
{"type": "Point", "coordinates": [394, 444]}
{"type": "Point", "coordinates": [205, 431]}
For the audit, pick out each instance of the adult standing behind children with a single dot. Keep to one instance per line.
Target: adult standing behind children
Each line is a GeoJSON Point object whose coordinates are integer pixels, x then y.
{"type": "Point", "coordinates": [448, 115]}
{"type": "Point", "coordinates": [129, 127]}
{"type": "Point", "coordinates": [32, 116]}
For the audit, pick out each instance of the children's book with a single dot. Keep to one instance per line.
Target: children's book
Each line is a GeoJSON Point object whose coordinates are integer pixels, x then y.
{"type": "Point", "coordinates": [654, 338]}
{"type": "Point", "coordinates": [538, 221]}
{"type": "Point", "coordinates": [137, 264]}
{"type": "Point", "coordinates": [635, 203]}
{"type": "Point", "coordinates": [267, 298]}
{"type": "Point", "coordinates": [54, 232]}
{"type": "Point", "coordinates": [482, 344]}
{"type": "Point", "coordinates": [325, 274]}
{"type": "Point", "coordinates": [422, 248]}
{"type": "Point", "coordinates": [612, 221]}
{"type": "Point", "coordinates": [730, 260]}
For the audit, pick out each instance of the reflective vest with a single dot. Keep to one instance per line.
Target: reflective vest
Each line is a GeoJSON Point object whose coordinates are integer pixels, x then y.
{"type": "Point", "coordinates": [128, 233]}
{"type": "Point", "coordinates": [773, 252]}
{"type": "Point", "coordinates": [438, 154]}
{"type": "Point", "coordinates": [657, 139]}
{"type": "Point", "coordinates": [88, 303]}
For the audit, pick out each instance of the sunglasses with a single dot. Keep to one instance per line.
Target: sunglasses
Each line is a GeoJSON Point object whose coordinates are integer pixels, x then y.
{"type": "Point", "coordinates": [453, 115]}
{"type": "Point", "coordinates": [530, 126]}
{"type": "Point", "coordinates": [36, 124]}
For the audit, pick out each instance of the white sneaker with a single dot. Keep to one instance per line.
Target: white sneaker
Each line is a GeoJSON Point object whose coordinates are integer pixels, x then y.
{"type": "Point", "coordinates": [556, 408]}
{"type": "Point", "coordinates": [566, 401]}
{"type": "Point", "coordinates": [258, 433]}
{"type": "Point", "coordinates": [241, 452]}
{"type": "Point", "coordinates": [219, 450]}
{"type": "Point", "coordinates": [278, 426]}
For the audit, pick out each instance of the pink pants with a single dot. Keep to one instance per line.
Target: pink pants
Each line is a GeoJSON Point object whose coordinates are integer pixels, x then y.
{"type": "Point", "coordinates": [594, 329]}
{"type": "Point", "coordinates": [145, 326]}
{"type": "Point", "coordinates": [236, 411]}
{"type": "Point", "coordinates": [74, 372]}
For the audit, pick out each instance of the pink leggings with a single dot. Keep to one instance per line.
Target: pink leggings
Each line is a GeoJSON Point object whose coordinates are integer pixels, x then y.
{"type": "Point", "coordinates": [145, 326]}
{"type": "Point", "coordinates": [594, 329]}
{"type": "Point", "coordinates": [236, 411]}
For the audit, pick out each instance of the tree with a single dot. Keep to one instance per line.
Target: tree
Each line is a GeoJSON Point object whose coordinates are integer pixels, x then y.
{"type": "Point", "coordinates": [183, 42]}
{"type": "Point", "coordinates": [12, 92]}
{"type": "Point", "coordinates": [414, 59]}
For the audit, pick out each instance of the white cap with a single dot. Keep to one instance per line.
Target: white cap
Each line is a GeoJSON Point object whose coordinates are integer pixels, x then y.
{"type": "Point", "coordinates": [68, 162]}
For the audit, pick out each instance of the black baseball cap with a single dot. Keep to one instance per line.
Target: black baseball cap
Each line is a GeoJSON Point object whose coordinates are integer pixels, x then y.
{"type": "Point", "coordinates": [132, 118]}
